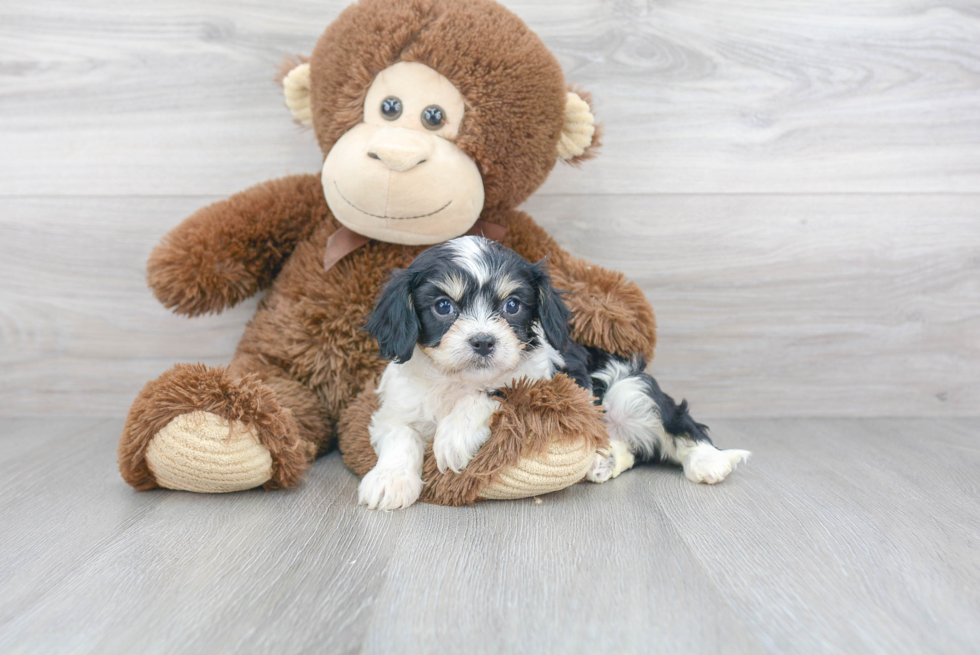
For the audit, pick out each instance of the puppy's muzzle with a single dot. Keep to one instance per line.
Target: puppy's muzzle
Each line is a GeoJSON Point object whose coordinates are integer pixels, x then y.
{"type": "Point", "coordinates": [483, 344]}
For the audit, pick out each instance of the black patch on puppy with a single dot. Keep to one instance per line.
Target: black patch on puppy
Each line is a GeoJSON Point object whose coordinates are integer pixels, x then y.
{"type": "Point", "coordinates": [394, 322]}
{"type": "Point", "coordinates": [577, 365]}
{"type": "Point", "coordinates": [425, 295]}
{"type": "Point", "coordinates": [676, 419]}
{"type": "Point", "coordinates": [597, 359]}
{"type": "Point", "coordinates": [553, 313]}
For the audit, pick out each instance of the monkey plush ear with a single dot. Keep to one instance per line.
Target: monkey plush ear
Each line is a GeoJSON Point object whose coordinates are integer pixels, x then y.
{"type": "Point", "coordinates": [296, 87]}
{"type": "Point", "coordinates": [579, 138]}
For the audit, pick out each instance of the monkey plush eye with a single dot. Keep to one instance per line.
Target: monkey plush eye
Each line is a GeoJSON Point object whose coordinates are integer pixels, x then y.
{"type": "Point", "coordinates": [391, 108]}
{"type": "Point", "coordinates": [433, 117]}
{"type": "Point", "coordinates": [512, 306]}
{"type": "Point", "coordinates": [443, 307]}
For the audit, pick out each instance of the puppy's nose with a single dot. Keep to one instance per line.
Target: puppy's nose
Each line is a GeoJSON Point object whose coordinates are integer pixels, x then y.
{"type": "Point", "coordinates": [483, 344]}
{"type": "Point", "coordinates": [399, 148]}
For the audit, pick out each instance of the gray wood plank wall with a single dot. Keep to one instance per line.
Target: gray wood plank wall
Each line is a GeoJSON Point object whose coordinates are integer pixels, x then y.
{"type": "Point", "coordinates": [795, 186]}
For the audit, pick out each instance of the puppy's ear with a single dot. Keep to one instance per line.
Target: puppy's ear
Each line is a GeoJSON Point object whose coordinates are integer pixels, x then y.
{"type": "Point", "coordinates": [552, 311]}
{"type": "Point", "coordinates": [394, 322]}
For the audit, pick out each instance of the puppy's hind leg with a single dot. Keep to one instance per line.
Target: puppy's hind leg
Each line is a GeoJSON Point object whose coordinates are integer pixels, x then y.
{"type": "Point", "coordinates": [640, 414]}
{"type": "Point", "coordinates": [688, 445]}
{"type": "Point", "coordinates": [611, 461]}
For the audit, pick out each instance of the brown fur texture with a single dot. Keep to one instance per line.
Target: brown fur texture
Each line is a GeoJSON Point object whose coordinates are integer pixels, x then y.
{"type": "Point", "coordinates": [533, 415]}
{"type": "Point", "coordinates": [227, 251]}
{"type": "Point", "coordinates": [608, 311]}
{"type": "Point", "coordinates": [188, 388]}
{"type": "Point", "coordinates": [304, 358]}
{"type": "Point", "coordinates": [288, 63]}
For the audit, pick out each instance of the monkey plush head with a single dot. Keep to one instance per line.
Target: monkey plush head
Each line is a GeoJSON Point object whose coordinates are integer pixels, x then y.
{"type": "Point", "coordinates": [429, 112]}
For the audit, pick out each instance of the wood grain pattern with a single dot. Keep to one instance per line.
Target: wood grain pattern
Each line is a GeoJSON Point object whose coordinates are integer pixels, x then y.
{"type": "Point", "coordinates": [860, 501]}
{"type": "Point", "coordinates": [767, 305]}
{"type": "Point", "coordinates": [699, 97]}
{"type": "Point", "coordinates": [839, 536]}
{"type": "Point", "coordinates": [831, 305]}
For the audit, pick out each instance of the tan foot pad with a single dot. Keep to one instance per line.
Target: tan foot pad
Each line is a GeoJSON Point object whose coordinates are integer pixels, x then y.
{"type": "Point", "coordinates": [562, 466]}
{"type": "Point", "coordinates": [199, 452]}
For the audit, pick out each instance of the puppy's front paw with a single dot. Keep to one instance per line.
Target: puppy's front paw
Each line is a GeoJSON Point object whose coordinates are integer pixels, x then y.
{"type": "Point", "coordinates": [454, 451]}
{"type": "Point", "coordinates": [709, 465]}
{"type": "Point", "coordinates": [389, 488]}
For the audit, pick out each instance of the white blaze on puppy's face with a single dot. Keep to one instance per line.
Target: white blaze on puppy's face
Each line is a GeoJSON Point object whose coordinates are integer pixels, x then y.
{"type": "Point", "coordinates": [470, 254]}
{"type": "Point", "coordinates": [398, 176]}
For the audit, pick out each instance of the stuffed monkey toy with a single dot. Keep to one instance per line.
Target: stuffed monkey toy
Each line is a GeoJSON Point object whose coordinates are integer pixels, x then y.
{"type": "Point", "coordinates": [436, 118]}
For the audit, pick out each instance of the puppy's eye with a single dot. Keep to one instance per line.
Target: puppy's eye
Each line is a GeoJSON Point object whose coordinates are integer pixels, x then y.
{"type": "Point", "coordinates": [443, 308]}
{"type": "Point", "coordinates": [433, 117]}
{"type": "Point", "coordinates": [512, 306]}
{"type": "Point", "coordinates": [391, 108]}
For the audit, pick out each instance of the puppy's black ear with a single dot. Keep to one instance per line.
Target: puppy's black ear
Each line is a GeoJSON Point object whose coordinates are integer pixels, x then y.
{"type": "Point", "coordinates": [552, 311]}
{"type": "Point", "coordinates": [393, 321]}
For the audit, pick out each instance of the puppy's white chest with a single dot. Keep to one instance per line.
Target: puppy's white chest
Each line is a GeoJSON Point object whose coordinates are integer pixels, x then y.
{"type": "Point", "coordinates": [415, 394]}
{"type": "Point", "coordinates": [426, 428]}
{"type": "Point", "coordinates": [440, 400]}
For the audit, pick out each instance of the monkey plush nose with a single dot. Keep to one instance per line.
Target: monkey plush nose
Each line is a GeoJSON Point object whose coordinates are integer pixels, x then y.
{"type": "Point", "coordinates": [483, 344]}
{"type": "Point", "coordinates": [400, 149]}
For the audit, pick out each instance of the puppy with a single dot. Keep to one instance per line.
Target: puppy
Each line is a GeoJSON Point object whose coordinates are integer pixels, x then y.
{"type": "Point", "coordinates": [470, 316]}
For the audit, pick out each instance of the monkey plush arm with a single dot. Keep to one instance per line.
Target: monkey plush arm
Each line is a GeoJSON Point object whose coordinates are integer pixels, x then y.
{"type": "Point", "coordinates": [227, 251]}
{"type": "Point", "coordinates": [608, 310]}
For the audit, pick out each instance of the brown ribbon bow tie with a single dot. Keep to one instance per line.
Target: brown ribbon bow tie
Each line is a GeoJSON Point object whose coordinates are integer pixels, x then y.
{"type": "Point", "coordinates": [345, 241]}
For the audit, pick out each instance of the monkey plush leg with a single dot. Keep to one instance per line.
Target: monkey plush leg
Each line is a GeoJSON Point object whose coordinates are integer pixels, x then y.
{"type": "Point", "coordinates": [204, 429]}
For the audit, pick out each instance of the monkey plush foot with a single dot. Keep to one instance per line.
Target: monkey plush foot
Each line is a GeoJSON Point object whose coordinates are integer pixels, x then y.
{"type": "Point", "coordinates": [196, 428]}
{"type": "Point", "coordinates": [203, 452]}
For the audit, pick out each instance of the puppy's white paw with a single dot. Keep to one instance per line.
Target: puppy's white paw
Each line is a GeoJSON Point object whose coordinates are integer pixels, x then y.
{"type": "Point", "coordinates": [389, 488]}
{"type": "Point", "coordinates": [601, 468]}
{"type": "Point", "coordinates": [454, 451]}
{"type": "Point", "coordinates": [707, 464]}
{"type": "Point", "coordinates": [610, 462]}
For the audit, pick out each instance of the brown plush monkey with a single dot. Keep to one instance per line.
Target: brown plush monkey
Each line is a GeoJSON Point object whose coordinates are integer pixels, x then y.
{"type": "Point", "coordinates": [432, 115]}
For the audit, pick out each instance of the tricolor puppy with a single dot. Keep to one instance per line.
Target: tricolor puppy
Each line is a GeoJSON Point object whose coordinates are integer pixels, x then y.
{"type": "Point", "coordinates": [470, 316]}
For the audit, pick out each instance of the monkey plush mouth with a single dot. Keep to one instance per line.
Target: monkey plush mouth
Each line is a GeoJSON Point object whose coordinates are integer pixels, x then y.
{"type": "Point", "coordinates": [396, 218]}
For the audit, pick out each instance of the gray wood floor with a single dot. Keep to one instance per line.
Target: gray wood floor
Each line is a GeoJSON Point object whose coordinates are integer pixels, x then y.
{"type": "Point", "coordinates": [840, 536]}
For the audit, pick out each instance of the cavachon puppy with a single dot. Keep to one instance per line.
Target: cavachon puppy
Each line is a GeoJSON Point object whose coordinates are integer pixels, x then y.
{"type": "Point", "coordinates": [467, 318]}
